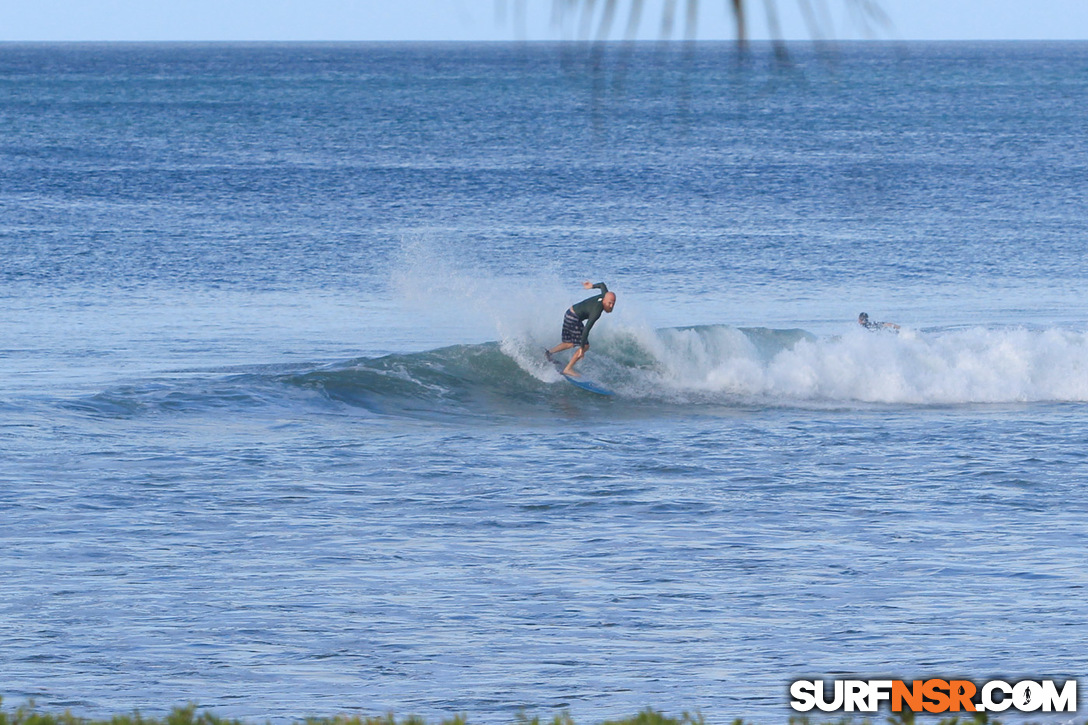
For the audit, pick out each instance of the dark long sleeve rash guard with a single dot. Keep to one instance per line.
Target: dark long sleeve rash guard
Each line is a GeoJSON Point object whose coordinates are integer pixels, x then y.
{"type": "Point", "coordinates": [589, 310]}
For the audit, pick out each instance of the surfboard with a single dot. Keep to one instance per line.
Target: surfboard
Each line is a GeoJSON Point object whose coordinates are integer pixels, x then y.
{"type": "Point", "coordinates": [581, 382]}
{"type": "Point", "coordinates": [589, 385]}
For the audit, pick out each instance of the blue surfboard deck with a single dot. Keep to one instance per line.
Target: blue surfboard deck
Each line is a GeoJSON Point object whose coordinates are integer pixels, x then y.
{"type": "Point", "coordinates": [588, 385]}
{"type": "Point", "coordinates": [579, 382]}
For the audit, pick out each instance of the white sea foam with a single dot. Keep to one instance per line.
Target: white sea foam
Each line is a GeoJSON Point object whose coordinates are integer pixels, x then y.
{"type": "Point", "coordinates": [976, 365]}
{"type": "Point", "coordinates": [954, 366]}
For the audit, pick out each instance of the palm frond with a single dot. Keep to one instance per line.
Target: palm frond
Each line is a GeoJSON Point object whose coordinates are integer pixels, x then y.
{"type": "Point", "coordinates": [595, 19]}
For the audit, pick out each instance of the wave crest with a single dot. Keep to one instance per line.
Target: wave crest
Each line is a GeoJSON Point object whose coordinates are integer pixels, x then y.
{"type": "Point", "coordinates": [975, 365]}
{"type": "Point", "coordinates": [652, 370]}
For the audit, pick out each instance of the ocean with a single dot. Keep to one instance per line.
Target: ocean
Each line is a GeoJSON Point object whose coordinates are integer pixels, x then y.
{"type": "Point", "coordinates": [277, 436]}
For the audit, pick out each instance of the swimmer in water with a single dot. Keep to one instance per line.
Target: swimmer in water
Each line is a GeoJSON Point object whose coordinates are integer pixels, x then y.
{"type": "Point", "coordinates": [863, 320]}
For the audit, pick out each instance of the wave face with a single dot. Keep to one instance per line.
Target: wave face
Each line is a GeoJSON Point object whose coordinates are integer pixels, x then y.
{"type": "Point", "coordinates": [654, 370]}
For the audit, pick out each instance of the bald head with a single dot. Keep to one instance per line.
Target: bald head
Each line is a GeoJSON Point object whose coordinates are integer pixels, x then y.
{"type": "Point", "coordinates": [608, 301]}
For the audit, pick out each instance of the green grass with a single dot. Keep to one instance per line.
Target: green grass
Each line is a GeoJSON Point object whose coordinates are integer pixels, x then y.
{"type": "Point", "coordinates": [190, 715]}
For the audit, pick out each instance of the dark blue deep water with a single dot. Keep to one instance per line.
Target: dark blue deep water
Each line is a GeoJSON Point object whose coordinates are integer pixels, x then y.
{"type": "Point", "coordinates": [277, 436]}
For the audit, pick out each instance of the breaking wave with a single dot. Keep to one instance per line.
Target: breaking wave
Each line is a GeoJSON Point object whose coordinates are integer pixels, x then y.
{"type": "Point", "coordinates": [713, 365]}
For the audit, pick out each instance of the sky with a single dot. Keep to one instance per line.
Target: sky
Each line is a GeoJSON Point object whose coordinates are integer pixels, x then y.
{"type": "Point", "coordinates": [407, 20]}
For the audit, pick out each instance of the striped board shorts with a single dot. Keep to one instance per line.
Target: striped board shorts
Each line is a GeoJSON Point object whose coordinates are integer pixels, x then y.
{"type": "Point", "coordinates": [572, 328]}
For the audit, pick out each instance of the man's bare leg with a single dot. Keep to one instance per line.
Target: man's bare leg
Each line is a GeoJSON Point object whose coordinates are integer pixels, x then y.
{"type": "Point", "coordinates": [578, 355]}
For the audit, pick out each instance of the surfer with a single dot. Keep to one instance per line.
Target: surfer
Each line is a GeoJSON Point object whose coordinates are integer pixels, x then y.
{"type": "Point", "coordinates": [579, 320]}
{"type": "Point", "coordinates": [863, 320]}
